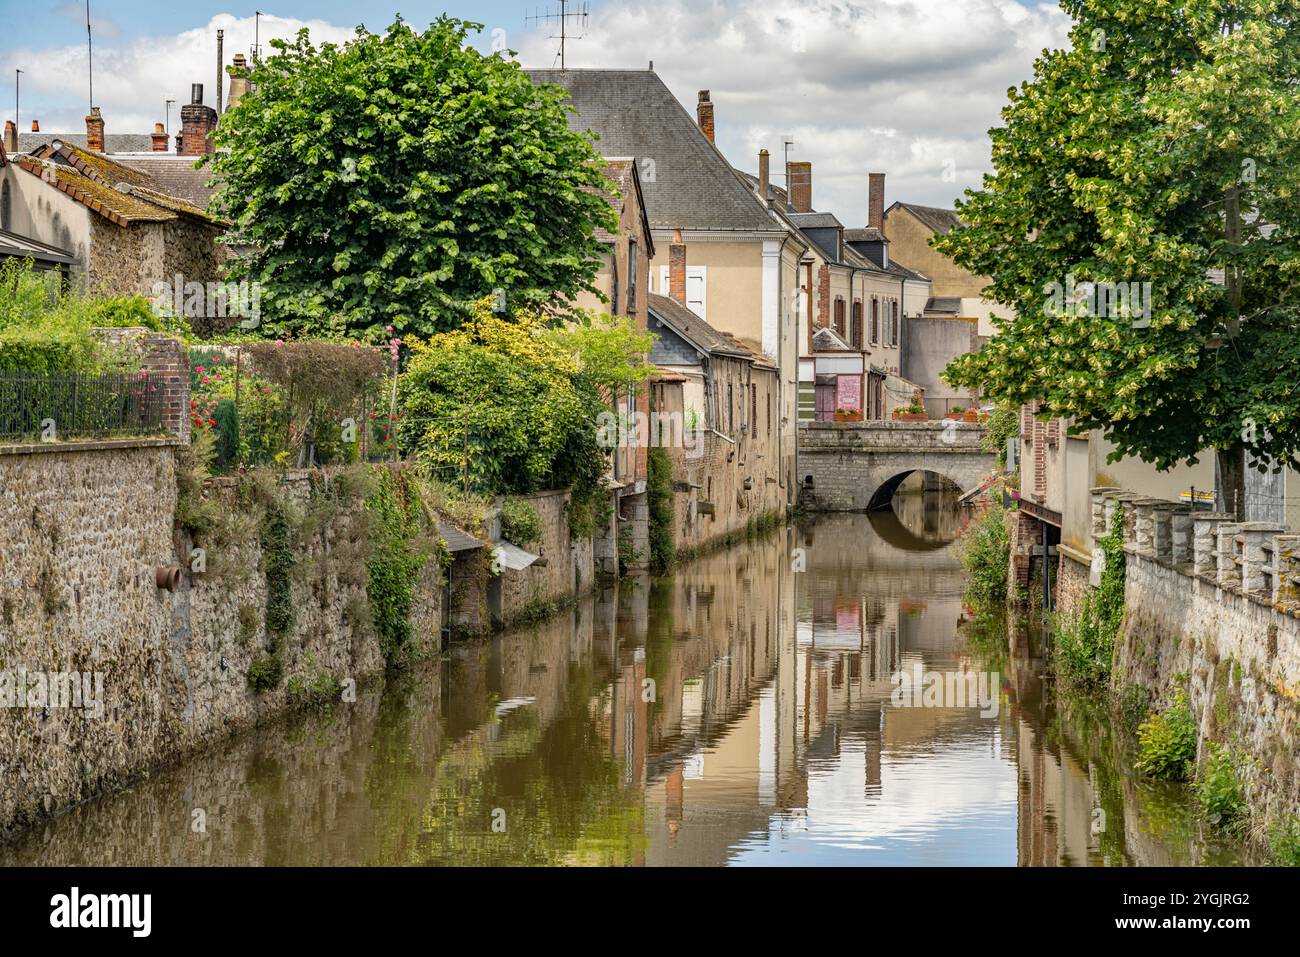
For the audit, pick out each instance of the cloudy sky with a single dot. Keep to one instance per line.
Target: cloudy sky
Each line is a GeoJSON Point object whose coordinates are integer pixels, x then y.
{"type": "Point", "coordinates": [908, 87]}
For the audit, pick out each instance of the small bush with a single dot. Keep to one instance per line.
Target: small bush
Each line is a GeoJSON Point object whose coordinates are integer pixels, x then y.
{"type": "Point", "coordinates": [265, 672]}
{"type": "Point", "coordinates": [659, 486]}
{"type": "Point", "coordinates": [985, 554]}
{"type": "Point", "coordinates": [1219, 787]}
{"type": "Point", "coordinates": [520, 523]}
{"type": "Point", "coordinates": [1167, 741]}
{"type": "Point", "coordinates": [1284, 843]}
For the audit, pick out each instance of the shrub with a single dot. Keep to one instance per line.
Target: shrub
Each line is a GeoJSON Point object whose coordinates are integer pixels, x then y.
{"type": "Point", "coordinates": [1219, 787]}
{"type": "Point", "coordinates": [1167, 741]}
{"type": "Point", "coordinates": [1284, 843]}
{"type": "Point", "coordinates": [1085, 647]}
{"type": "Point", "coordinates": [520, 523]}
{"type": "Point", "coordinates": [985, 553]}
{"type": "Point", "coordinates": [659, 488]}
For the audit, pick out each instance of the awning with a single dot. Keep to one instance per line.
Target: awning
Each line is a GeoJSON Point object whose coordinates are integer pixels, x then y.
{"type": "Point", "coordinates": [513, 557]}
{"type": "Point", "coordinates": [457, 541]}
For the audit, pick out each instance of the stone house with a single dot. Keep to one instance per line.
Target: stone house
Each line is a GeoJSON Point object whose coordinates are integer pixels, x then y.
{"type": "Point", "coordinates": [122, 232]}
{"type": "Point", "coordinates": [715, 405]}
{"type": "Point", "coordinates": [742, 277]}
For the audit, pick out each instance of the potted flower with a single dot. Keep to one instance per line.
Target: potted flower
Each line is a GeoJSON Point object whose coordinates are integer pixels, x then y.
{"type": "Point", "coordinates": [911, 413]}
{"type": "Point", "coordinates": [848, 414]}
{"type": "Point", "coordinates": [956, 412]}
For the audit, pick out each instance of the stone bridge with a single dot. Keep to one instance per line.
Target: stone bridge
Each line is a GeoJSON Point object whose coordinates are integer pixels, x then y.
{"type": "Point", "coordinates": [858, 466]}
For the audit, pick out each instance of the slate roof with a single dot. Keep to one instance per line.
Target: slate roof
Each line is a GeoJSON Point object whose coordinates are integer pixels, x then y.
{"type": "Point", "coordinates": [24, 247]}
{"type": "Point", "coordinates": [827, 339]}
{"type": "Point", "coordinates": [941, 221]}
{"type": "Point", "coordinates": [686, 181]}
{"type": "Point", "coordinates": [943, 306]}
{"type": "Point", "coordinates": [815, 220]}
{"type": "Point", "coordinates": [175, 175]}
{"type": "Point", "coordinates": [868, 234]}
{"type": "Point", "coordinates": [694, 329]}
{"type": "Point", "coordinates": [113, 142]}
{"type": "Point", "coordinates": [620, 171]}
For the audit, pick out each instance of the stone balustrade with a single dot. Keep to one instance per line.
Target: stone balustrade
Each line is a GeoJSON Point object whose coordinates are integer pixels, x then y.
{"type": "Point", "coordinates": [1255, 559]}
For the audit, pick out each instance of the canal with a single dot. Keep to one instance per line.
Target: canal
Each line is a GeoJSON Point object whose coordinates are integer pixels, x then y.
{"type": "Point", "coordinates": [741, 712]}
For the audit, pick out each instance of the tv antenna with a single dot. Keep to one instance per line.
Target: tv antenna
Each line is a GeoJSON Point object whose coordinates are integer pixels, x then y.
{"type": "Point", "coordinates": [257, 35]}
{"type": "Point", "coordinates": [573, 24]}
{"type": "Point", "coordinates": [90, 58]}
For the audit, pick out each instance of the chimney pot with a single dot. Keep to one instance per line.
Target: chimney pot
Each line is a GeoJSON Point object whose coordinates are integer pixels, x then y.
{"type": "Point", "coordinates": [196, 93]}
{"type": "Point", "coordinates": [799, 183]}
{"type": "Point", "coordinates": [238, 84]}
{"type": "Point", "coordinates": [36, 126]}
{"type": "Point", "coordinates": [95, 131]}
{"type": "Point", "coordinates": [704, 114]}
{"type": "Point", "coordinates": [876, 201]}
{"type": "Point", "coordinates": [159, 138]}
{"type": "Point", "coordinates": [11, 137]}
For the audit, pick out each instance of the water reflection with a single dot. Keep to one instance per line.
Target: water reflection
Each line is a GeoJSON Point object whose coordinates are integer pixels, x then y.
{"type": "Point", "coordinates": [738, 712]}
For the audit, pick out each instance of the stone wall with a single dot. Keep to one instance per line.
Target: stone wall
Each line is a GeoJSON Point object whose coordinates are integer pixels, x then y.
{"type": "Point", "coordinates": [568, 568]}
{"type": "Point", "coordinates": [83, 529]}
{"type": "Point", "coordinates": [1213, 604]}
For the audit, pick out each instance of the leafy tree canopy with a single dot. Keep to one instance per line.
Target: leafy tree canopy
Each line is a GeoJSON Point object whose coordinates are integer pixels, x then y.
{"type": "Point", "coordinates": [398, 178]}
{"type": "Point", "coordinates": [1153, 150]}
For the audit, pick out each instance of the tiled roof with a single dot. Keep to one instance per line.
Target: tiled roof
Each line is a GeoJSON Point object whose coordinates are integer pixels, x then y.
{"type": "Point", "coordinates": [694, 329]}
{"type": "Point", "coordinates": [115, 206]}
{"type": "Point", "coordinates": [940, 221]}
{"type": "Point", "coordinates": [686, 181]}
{"type": "Point", "coordinates": [175, 176]}
{"type": "Point", "coordinates": [618, 172]}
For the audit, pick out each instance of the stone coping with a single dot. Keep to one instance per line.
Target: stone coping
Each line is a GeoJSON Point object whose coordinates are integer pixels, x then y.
{"type": "Point", "coordinates": [94, 445]}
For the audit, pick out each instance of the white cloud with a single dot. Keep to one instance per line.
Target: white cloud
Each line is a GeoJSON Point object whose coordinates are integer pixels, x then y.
{"type": "Point", "coordinates": [134, 79]}
{"type": "Point", "coordinates": [899, 86]}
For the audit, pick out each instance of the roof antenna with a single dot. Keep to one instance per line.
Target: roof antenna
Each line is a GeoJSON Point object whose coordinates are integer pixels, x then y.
{"type": "Point", "coordinates": [90, 57]}
{"type": "Point", "coordinates": [580, 17]}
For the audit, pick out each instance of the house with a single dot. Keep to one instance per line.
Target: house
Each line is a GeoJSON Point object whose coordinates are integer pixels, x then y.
{"type": "Point", "coordinates": [742, 277]}
{"type": "Point", "coordinates": [858, 294]}
{"type": "Point", "coordinates": [623, 278]}
{"type": "Point", "coordinates": [724, 400]}
{"type": "Point", "coordinates": [42, 256]}
{"type": "Point", "coordinates": [123, 234]}
{"type": "Point", "coordinates": [955, 318]}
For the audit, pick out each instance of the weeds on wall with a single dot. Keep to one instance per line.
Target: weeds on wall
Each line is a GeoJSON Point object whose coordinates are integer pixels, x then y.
{"type": "Point", "coordinates": [520, 523]}
{"type": "Point", "coordinates": [1085, 648]}
{"type": "Point", "coordinates": [1167, 741]}
{"type": "Point", "coordinates": [401, 544]}
{"type": "Point", "coordinates": [659, 494]}
{"type": "Point", "coordinates": [1219, 786]}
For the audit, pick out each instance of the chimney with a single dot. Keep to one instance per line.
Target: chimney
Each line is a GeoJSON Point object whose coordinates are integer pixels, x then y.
{"type": "Point", "coordinates": [799, 182]}
{"type": "Point", "coordinates": [677, 268]}
{"type": "Point", "coordinates": [36, 126]}
{"type": "Point", "coordinates": [764, 175]}
{"type": "Point", "coordinates": [876, 200]}
{"type": "Point", "coordinates": [238, 84]}
{"type": "Point", "coordinates": [95, 131]}
{"type": "Point", "coordinates": [221, 66]}
{"type": "Point", "coordinates": [197, 123]}
{"type": "Point", "coordinates": [704, 114]}
{"type": "Point", "coordinates": [11, 137]}
{"type": "Point", "coordinates": [159, 137]}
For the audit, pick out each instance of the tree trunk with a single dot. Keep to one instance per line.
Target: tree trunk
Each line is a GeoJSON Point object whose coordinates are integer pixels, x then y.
{"type": "Point", "coordinates": [1232, 481]}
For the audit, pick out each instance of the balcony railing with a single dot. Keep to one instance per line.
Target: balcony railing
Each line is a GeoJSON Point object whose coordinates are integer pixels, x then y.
{"type": "Point", "coordinates": [37, 407]}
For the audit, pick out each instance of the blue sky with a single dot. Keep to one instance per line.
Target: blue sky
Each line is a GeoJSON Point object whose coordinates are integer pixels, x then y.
{"type": "Point", "coordinates": [907, 87]}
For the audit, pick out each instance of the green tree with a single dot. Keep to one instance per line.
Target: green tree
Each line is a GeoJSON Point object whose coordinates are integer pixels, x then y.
{"type": "Point", "coordinates": [1153, 150]}
{"type": "Point", "coordinates": [397, 178]}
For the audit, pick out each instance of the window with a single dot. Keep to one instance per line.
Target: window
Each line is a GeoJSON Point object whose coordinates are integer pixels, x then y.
{"type": "Point", "coordinates": [839, 315]}
{"type": "Point", "coordinates": [631, 276]}
{"type": "Point", "coordinates": [5, 213]}
{"type": "Point", "coordinates": [613, 285]}
{"type": "Point", "coordinates": [731, 412]}
{"type": "Point", "coordinates": [753, 409]}
{"type": "Point", "coordinates": [897, 324]}
{"type": "Point", "coordinates": [875, 321]}
{"type": "Point", "coordinates": [696, 288]}
{"type": "Point", "coordinates": [856, 329]}
{"type": "Point", "coordinates": [769, 414]}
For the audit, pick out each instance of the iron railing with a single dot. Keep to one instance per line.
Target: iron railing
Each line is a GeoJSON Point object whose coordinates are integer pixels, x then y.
{"type": "Point", "coordinates": [47, 407]}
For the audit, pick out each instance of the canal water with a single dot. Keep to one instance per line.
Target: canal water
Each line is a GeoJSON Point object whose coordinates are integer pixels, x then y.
{"type": "Point", "coordinates": [743, 711]}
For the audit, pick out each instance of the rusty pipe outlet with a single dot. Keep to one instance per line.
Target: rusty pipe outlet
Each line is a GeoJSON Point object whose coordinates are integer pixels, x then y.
{"type": "Point", "coordinates": [167, 579]}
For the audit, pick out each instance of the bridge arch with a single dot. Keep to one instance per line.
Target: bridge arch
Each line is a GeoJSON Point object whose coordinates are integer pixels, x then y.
{"type": "Point", "coordinates": [857, 467]}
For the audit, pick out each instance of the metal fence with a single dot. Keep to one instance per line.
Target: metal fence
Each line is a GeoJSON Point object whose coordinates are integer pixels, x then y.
{"type": "Point", "coordinates": [60, 406]}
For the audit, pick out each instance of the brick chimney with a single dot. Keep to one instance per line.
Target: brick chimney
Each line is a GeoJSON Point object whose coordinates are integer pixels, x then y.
{"type": "Point", "coordinates": [677, 268]}
{"type": "Point", "coordinates": [95, 131]}
{"type": "Point", "coordinates": [159, 137]}
{"type": "Point", "coordinates": [800, 186]}
{"type": "Point", "coordinates": [704, 114]}
{"type": "Point", "coordinates": [11, 137]}
{"type": "Point", "coordinates": [238, 84]}
{"type": "Point", "coordinates": [764, 175]}
{"type": "Point", "coordinates": [197, 123]}
{"type": "Point", "coordinates": [876, 200]}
